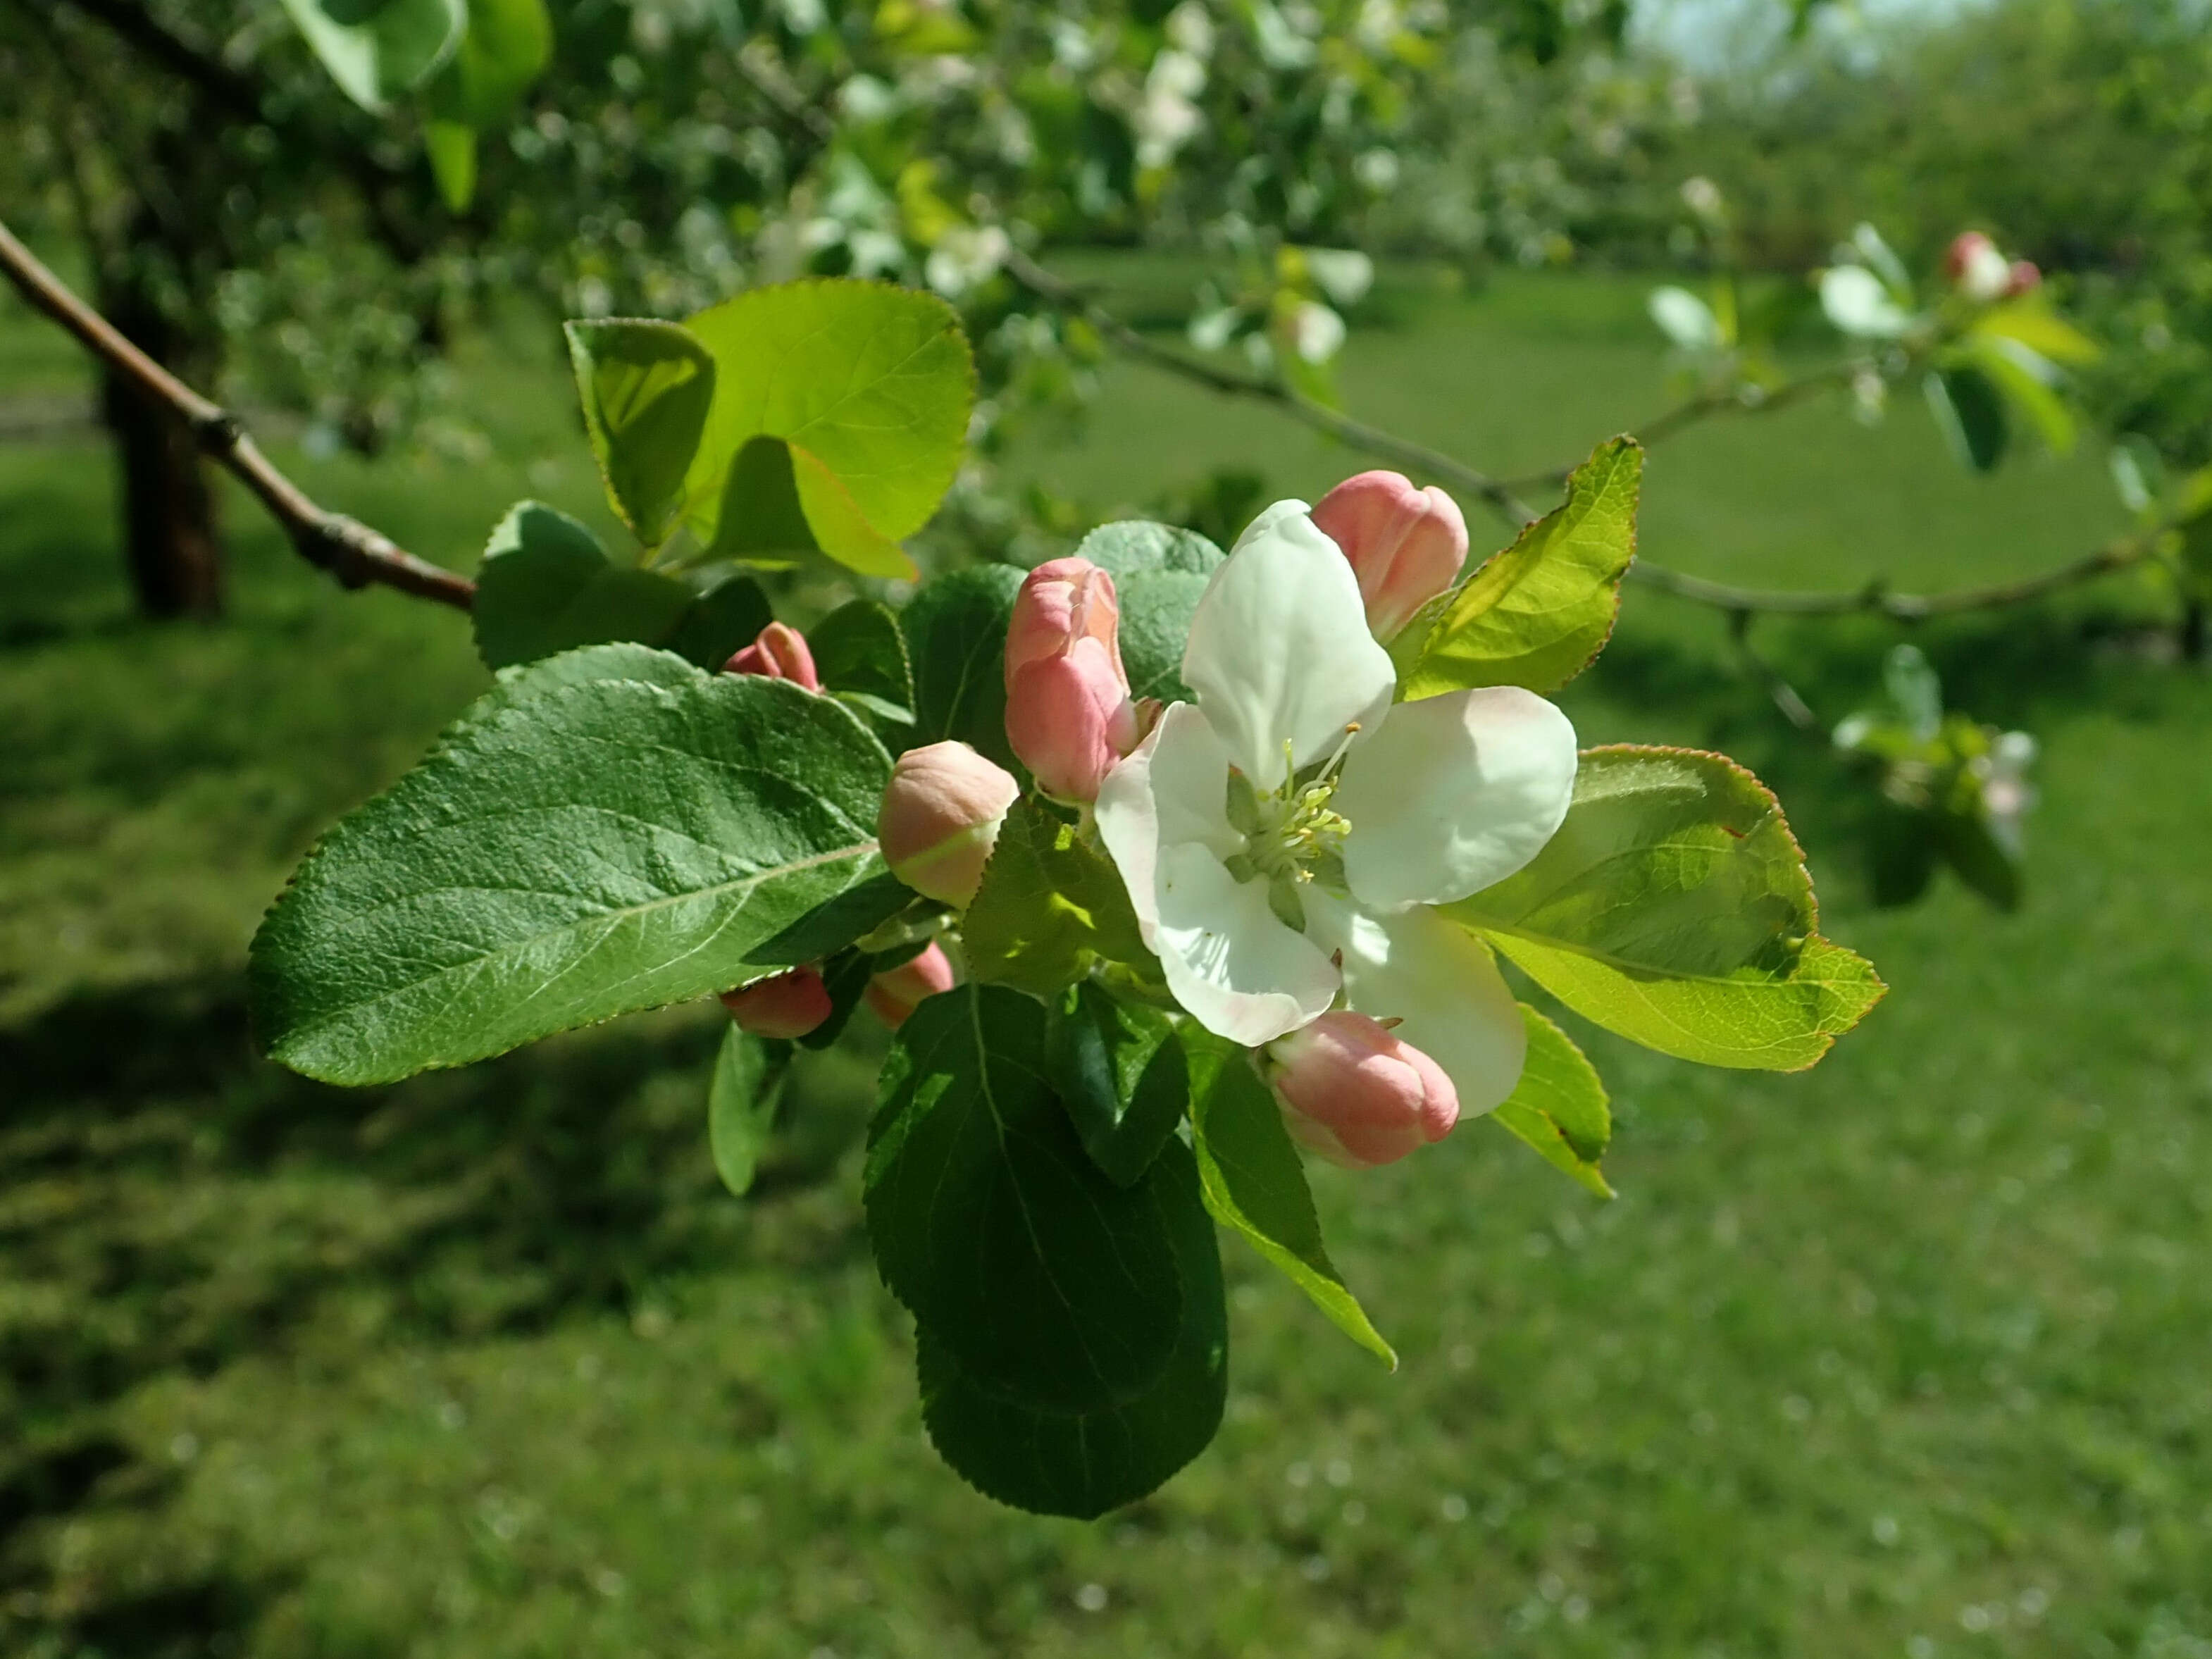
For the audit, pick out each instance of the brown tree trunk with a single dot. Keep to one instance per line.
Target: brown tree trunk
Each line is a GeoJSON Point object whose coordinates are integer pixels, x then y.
{"type": "Point", "coordinates": [170, 540]}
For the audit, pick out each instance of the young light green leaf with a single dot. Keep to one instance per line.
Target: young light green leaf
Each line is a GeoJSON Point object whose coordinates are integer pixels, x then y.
{"type": "Point", "coordinates": [2030, 320]}
{"type": "Point", "coordinates": [1559, 1105]}
{"type": "Point", "coordinates": [741, 1102]}
{"type": "Point", "coordinates": [1120, 1066]}
{"type": "Point", "coordinates": [1050, 1285]}
{"type": "Point", "coordinates": [1047, 905]}
{"type": "Point", "coordinates": [546, 586]}
{"type": "Point", "coordinates": [1159, 574]}
{"type": "Point", "coordinates": [566, 854]}
{"type": "Point", "coordinates": [956, 638]}
{"type": "Point", "coordinates": [1536, 614]}
{"type": "Point", "coordinates": [1674, 908]}
{"type": "Point", "coordinates": [645, 387]}
{"type": "Point", "coordinates": [452, 148]}
{"type": "Point", "coordinates": [2028, 382]}
{"type": "Point", "coordinates": [376, 49]}
{"type": "Point", "coordinates": [1085, 1464]}
{"type": "Point", "coordinates": [866, 390]}
{"type": "Point", "coordinates": [1254, 1181]}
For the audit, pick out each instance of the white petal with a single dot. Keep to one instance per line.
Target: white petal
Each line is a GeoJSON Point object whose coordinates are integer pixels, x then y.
{"type": "Point", "coordinates": [1279, 648]}
{"type": "Point", "coordinates": [1163, 814]}
{"type": "Point", "coordinates": [1238, 970]}
{"type": "Point", "coordinates": [1440, 981]}
{"type": "Point", "coordinates": [1453, 794]}
{"type": "Point", "coordinates": [1173, 789]}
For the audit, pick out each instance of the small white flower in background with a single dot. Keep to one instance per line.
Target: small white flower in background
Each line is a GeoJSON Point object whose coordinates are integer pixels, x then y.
{"type": "Point", "coordinates": [1283, 837]}
{"type": "Point", "coordinates": [1855, 301]}
{"type": "Point", "coordinates": [1165, 118]}
{"type": "Point", "coordinates": [2007, 795]}
{"type": "Point", "coordinates": [1684, 318]}
{"type": "Point", "coordinates": [1703, 197]}
{"type": "Point", "coordinates": [1191, 30]}
{"type": "Point", "coordinates": [1316, 332]}
{"type": "Point", "coordinates": [1344, 274]}
{"type": "Point", "coordinates": [1378, 169]}
{"type": "Point", "coordinates": [965, 256]}
{"type": "Point", "coordinates": [1869, 395]}
{"type": "Point", "coordinates": [1977, 267]}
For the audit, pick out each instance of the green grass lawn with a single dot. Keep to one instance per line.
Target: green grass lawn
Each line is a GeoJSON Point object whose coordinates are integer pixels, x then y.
{"type": "Point", "coordinates": [1906, 1356]}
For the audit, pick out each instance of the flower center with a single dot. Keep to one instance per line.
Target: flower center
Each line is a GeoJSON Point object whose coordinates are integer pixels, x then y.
{"type": "Point", "coordinates": [1292, 834]}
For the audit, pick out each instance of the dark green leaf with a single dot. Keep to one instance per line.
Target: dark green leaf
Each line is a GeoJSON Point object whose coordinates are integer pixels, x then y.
{"type": "Point", "coordinates": [1255, 1182]}
{"type": "Point", "coordinates": [1536, 614]}
{"type": "Point", "coordinates": [1048, 903]}
{"type": "Point", "coordinates": [1559, 1105]}
{"type": "Point", "coordinates": [546, 586]}
{"type": "Point", "coordinates": [564, 856]}
{"type": "Point", "coordinates": [1674, 908]}
{"type": "Point", "coordinates": [1970, 411]}
{"type": "Point", "coordinates": [506, 47]}
{"type": "Point", "coordinates": [1980, 858]}
{"type": "Point", "coordinates": [868, 389]}
{"type": "Point", "coordinates": [831, 927]}
{"type": "Point", "coordinates": [721, 622]}
{"type": "Point", "coordinates": [646, 388]}
{"type": "Point", "coordinates": [1159, 573]}
{"type": "Point", "coordinates": [1050, 1285]}
{"type": "Point", "coordinates": [1083, 1465]}
{"type": "Point", "coordinates": [741, 1102]}
{"type": "Point", "coordinates": [845, 976]}
{"type": "Point", "coordinates": [858, 649]}
{"type": "Point", "coordinates": [1121, 1068]}
{"type": "Point", "coordinates": [956, 638]}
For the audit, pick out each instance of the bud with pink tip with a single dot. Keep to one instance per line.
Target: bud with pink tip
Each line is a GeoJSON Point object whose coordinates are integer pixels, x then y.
{"type": "Point", "coordinates": [1406, 545]}
{"type": "Point", "coordinates": [786, 1004]}
{"type": "Point", "coordinates": [780, 653]}
{"type": "Point", "coordinates": [940, 818]}
{"type": "Point", "coordinates": [2026, 276]}
{"type": "Point", "coordinates": [1975, 267]}
{"type": "Point", "coordinates": [1353, 1092]}
{"type": "Point", "coordinates": [1068, 713]}
{"type": "Point", "coordinates": [895, 992]}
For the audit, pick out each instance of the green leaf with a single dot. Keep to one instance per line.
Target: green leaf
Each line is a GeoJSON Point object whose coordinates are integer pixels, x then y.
{"type": "Point", "coordinates": [646, 388]}
{"type": "Point", "coordinates": [866, 389]}
{"type": "Point", "coordinates": [1559, 1105]}
{"type": "Point", "coordinates": [831, 927]}
{"type": "Point", "coordinates": [1970, 414]}
{"type": "Point", "coordinates": [546, 586]}
{"type": "Point", "coordinates": [1536, 614]}
{"type": "Point", "coordinates": [1254, 1181]}
{"type": "Point", "coordinates": [1980, 858]}
{"type": "Point", "coordinates": [2030, 320]}
{"type": "Point", "coordinates": [741, 1102]}
{"type": "Point", "coordinates": [452, 148]}
{"type": "Point", "coordinates": [1159, 573]}
{"type": "Point", "coordinates": [1121, 1068]}
{"type": "Point", "coordinates": [1085, 1464]}
{"type": "Point", "coordinates": [567, 853]}
{"type": "Point", "coordinates": [956, 638]}
{"type": "Point", "coordinates": [506, 47]}
{"type": "Point", "coordinates": [2027, 380]}
{"type": "Point", "coordinates": [859, 650]}
{"type": "Point", "coordinates": [1674, 908]}
{"type": "Point", "coordinates": [1047, 904]}
{"type": "Point", "coordinates": [721, 622]}
{"type": "Point", "coordinates": [376, 49]}
{"type": "Point", "coordinates": [845, 976]}
{"type": "Point", "coordinates": [1050, 1285]}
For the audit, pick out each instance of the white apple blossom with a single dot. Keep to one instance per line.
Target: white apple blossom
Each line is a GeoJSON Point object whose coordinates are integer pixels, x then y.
{"type": "Point", "coordinates": [1284, 836]}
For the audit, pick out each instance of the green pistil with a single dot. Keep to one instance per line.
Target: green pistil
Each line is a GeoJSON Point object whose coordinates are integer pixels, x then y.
{"type": "Point", "coordinates": [1291, 837]}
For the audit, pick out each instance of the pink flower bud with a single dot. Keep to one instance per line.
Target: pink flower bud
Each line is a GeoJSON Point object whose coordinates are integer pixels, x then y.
{"type": "Point", "coordinates": [1068, 713]}
{"type": "Point", "coordinates": [789, 1005]}
{"type": "Point", "coordinates": [1975, 266]}
{"type": "Point", "coordinates": [2025, 278]}
{"type": "Point", "coordinates": [1406, 545]}
{"type": "Point", "coordinates": [779, 653]}
{"type": "Point", "coordinates": [1353, 1092]}
{"type": "Point", "coordinates": [894, 993]}
{"type": "Point", "coordinates": [940, 818]}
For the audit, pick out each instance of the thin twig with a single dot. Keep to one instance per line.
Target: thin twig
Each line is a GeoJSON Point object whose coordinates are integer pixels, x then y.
{"type": "Point", "coordinates": [1355, 433]}
{"type": "Point", "coordinates": [1876, 600]}
{"type": "Point", "coordinates": [356, 555]}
